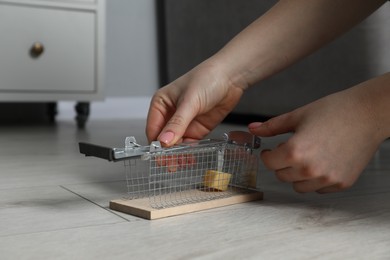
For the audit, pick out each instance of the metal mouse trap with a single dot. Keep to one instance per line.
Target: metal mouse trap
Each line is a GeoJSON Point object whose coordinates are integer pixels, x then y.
{"type": "Point", "coordinates": [185, 178]}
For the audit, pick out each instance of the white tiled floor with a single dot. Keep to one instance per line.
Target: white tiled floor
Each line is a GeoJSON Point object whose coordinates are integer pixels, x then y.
{"type": "Point", "coordinates": [54, 205]}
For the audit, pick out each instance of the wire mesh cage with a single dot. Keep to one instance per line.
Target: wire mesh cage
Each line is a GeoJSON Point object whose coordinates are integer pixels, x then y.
{"type": "Point", "coordinates": [191, 173]}
{"type": "Point", "coordinates": [187, 173]}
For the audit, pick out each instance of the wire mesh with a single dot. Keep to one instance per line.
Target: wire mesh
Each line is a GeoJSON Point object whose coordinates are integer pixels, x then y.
{"type": "Point", "coordinates": [195, 174]}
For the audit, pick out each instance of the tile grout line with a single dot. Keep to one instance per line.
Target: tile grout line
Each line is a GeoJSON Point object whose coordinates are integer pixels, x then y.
{"type": "Point", "coordinates": [84, 198]}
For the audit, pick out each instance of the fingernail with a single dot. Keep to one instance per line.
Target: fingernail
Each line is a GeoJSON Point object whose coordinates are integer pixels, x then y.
{"type": "Point", "coordinates": [167, 137]}
{"type": "Point", "coordinates": [255, 125]}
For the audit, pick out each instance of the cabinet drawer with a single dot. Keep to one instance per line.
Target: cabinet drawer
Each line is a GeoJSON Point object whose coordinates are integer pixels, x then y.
{"type": "Point", "coordinates": [67, 63]}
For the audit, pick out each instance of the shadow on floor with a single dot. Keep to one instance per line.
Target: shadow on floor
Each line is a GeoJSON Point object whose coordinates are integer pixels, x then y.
{"type": "Point", "coordinates": [27, 114]}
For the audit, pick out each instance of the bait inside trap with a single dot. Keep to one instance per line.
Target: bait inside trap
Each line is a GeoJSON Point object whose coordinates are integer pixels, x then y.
{"type": "Point", "coordinates": [189, 177]}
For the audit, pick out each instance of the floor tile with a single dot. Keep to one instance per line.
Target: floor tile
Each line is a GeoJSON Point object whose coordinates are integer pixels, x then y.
{"type": "Point", "coordinates": [332, 229]}
{"type": "Point", "coordinates": [102, 193]}
{"type": "Point", "coordinates": [54, 205]}
{"type": "Point", "coordinates": [38, 209]}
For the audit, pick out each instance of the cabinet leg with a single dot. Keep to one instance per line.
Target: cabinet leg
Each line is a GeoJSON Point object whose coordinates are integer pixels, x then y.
{"type": "Point", "coordinates": [52, 111]}
{"type": "Point", "coordinates": [82, 111]}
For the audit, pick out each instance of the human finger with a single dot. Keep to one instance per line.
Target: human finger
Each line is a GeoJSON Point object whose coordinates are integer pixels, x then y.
{"type": "Point", "coordinates": [160, 110]}
{"type": "Point", "coordinates": [277, 125]}
{"type": "Point", "coordinates": [290, 174]}
{"type": "Point", "coordinates": [323, 184]}
{"type": "Point", "coordinates": [276, 159]}
{"type": "Point", "coordinates": [176, 126]}
{"type": "Point", "coordinates": [333, 188]}
{"type": "Point", "coordinates": [308, 185]}
{"type": "Point", "coordinates": [155, 122]}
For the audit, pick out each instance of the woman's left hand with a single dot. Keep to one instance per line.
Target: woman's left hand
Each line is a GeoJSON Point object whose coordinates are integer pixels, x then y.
{"type": "Point", "coordinates": [333, 140]}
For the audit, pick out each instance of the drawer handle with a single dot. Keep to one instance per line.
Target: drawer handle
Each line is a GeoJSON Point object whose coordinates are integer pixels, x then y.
{"type": "Point", "coordinates": [37, 49]}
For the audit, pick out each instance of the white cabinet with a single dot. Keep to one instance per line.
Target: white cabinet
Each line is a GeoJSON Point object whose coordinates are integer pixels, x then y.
{"type": "Point", "coordinates": [52, 50]}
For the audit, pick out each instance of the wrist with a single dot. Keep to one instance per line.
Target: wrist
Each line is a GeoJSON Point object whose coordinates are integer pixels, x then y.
{"type": "Point", "coordinates": [371, 104]}
{"type": "Point", "coordinates": [236, 71]}
{"type": "Point", "coordinates": [378, 96]}
{"type": "Point", "coordinates": [227, 71]}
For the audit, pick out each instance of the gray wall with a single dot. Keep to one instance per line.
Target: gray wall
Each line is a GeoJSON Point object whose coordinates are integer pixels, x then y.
{"type": "Point", "coordinates": [132, 68]}
{"type": "Point", "coordinates": [357, 56]}
{"type": "Point", "coordinates": [198, 28]}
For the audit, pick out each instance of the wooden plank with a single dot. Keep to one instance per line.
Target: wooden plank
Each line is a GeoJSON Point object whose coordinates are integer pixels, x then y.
{"type": "Point", "coordinates": [141, 207]}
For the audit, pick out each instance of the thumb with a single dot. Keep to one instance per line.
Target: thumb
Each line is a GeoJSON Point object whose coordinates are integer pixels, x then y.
{"type": "Point", "coordinates": [177, 125]}
{"type": "Point", "coordinates": [277, 125]}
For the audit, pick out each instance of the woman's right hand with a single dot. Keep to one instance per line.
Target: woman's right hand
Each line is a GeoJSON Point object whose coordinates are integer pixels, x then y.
{"type": "Point", "coordinates": [191, 106]}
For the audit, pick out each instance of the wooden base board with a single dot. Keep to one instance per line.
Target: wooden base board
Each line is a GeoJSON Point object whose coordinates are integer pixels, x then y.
{"type": "Point", "coordinates": [141, 207]}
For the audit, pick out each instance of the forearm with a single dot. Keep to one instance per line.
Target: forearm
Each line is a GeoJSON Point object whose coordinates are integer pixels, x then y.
{"type": "Point", "coordinates": [291, 30]}
{"type": "Point", "coordinates": [374, 96]}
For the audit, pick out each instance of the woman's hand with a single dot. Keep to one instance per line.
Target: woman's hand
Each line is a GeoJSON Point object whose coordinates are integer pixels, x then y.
{"type": "Point", "coordinates": [334, 138]}
{"type": "Point", "coordinates": [193, 105]}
